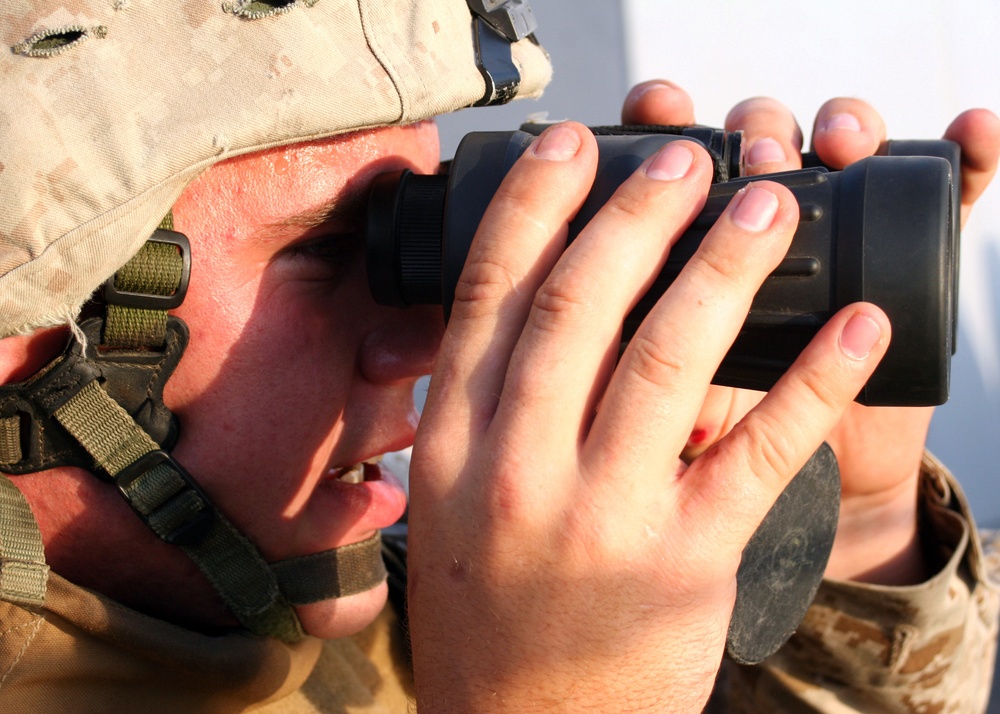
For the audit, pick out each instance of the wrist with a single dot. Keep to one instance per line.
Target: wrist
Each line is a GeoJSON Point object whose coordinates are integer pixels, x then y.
{"type": "Point", "coordinates": [878, 539]}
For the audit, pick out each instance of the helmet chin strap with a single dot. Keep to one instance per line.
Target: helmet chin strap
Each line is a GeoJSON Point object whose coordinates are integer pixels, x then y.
{"type": "Point", "coordinates": [100, 406]}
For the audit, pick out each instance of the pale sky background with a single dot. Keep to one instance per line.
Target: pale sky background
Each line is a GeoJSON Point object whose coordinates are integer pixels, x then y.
{"type": "Point", "coordinates": [920, 62]}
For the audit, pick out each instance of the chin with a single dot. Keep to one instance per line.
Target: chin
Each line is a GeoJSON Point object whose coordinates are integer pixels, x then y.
{"type": "Point", "coordinates": [330, 619]}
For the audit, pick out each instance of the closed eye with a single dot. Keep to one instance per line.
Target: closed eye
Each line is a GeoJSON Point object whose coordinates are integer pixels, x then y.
{"type": "Point", "coordinates": [325, 257]}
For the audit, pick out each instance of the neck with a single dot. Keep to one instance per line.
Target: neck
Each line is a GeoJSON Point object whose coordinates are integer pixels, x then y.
{"type": "Point", "coordinates": [23, 355]}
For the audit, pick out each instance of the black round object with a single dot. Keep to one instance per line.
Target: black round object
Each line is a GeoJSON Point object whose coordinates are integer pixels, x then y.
{"type": "Point", "coordinates": [783, 563]}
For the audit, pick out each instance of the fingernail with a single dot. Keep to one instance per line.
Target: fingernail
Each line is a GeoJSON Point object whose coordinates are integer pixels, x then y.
{"type": "Point", "coordinates": [672, 162]}
{"type": "Point", "coordinates": [841, 122]}
{"type": "Point", "coordinates": [648, 88]}
{"type": "Point", "coordinates": [765, 151]}
{"type": "Point", "coordinates": [756, 209]}
{"type": "Point", "coordinates": [859, 336]}
{"type": "Point", "coordinates": [697, 437]}
{"type": "Point", "coordinates": [557, 143]}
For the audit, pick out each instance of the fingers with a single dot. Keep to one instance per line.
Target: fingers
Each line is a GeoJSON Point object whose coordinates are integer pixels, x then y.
{"type": "Point", "coordinates": [520, 238]}
{"type": "Point", "coordinates": [847, 130]}
{"type": "Point", "coordinates": [658, 102]}
{"type": "Point", "coordinates": [722, 409]}
{"type": "Point", "coordinates": [661, 380]}
{"type": "Point", "coordinates": [755, 461]}
{"type": "Point", "coordinates": [771, 137]}
{"type": "Point", "coordinates": [978, 133]}
{"type": "Point", "coordinates": [560, 365]}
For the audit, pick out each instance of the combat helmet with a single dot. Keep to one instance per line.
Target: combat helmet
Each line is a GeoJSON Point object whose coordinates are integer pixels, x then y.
{"type": "Point", "coordinates": [109, 109]}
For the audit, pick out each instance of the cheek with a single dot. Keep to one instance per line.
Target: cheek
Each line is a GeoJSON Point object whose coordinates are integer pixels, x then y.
{"type": "Point", "coordinates": [217, 309]}
{"type": "Point", "coordinates": [263, 331]}
{"type": "Point", "coordinates": [285, 346]}
{"type": "Point", "coordinates": [261, 390]}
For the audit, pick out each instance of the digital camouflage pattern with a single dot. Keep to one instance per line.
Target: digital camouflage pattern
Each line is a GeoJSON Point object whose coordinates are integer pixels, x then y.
{"type": "Point", "coordinates": [925, 649]}
{"type": "Point", "coordinates": [108, 108]}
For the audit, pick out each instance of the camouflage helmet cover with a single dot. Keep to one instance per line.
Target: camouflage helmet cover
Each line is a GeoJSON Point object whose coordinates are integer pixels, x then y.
{"type": "Point", "coordinates": [109, 108]}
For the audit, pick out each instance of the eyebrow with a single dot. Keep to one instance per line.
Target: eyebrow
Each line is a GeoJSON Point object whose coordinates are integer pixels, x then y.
{"type": "Point", "coordinates": [344, 208]}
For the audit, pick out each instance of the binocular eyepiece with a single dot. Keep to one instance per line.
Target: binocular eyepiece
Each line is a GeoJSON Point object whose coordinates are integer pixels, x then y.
{"type": "Point", "coordinates": [884, 230]}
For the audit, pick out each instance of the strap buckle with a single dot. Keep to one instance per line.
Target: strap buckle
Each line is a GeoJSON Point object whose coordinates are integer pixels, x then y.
{"type": "Point", "coordinates": [495, 63]}
{"type": "Point", "coordinates": [511, 18]}
{"type": "Point", "coordinates": [168, 500]}
{"type": "Point", "coordinates": [151, 301]}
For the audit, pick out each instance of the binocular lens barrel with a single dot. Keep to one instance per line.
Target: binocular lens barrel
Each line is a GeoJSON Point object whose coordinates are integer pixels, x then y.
{"type": "Point", "coordinates": [883, 230]}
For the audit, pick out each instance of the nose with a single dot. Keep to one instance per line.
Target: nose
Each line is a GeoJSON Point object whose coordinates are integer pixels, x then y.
{"type": "Point", "coordinates": [404, 346]}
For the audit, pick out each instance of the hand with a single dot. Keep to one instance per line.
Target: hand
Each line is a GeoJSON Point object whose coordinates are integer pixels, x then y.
{"type": "Point", "coordinates": [562, 555]}
{"type": "Point", "coordinates": [878, 449]}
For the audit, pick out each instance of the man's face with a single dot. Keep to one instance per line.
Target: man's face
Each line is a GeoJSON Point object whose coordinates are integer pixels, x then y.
{"type": "Point", "coordinates": [292, 376]}
{"type": "Point", "coordinates": [293, 373]}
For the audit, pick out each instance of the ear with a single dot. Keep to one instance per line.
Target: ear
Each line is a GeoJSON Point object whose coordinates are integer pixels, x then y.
{"type": "Point", "coordinates": [23, 355]}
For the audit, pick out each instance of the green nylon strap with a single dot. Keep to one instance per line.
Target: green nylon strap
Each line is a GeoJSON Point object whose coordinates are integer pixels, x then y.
{"type": "Point", "coordinates": [347, 570]}
{"type": "Point", "coordinates": [132, 327]}
{"type": "Point", "coordinates": [10, 440]}
{"type": "Point", "coordinates": [163, 499]}
{"type": "Point", "coordinates": [162, 496]}
{"type": "Point", "coordinates": [104, 428]}
{"type": "Point", "coordinates": [24, 575]}
{"type": "Point", "coordinates": [156, 269]}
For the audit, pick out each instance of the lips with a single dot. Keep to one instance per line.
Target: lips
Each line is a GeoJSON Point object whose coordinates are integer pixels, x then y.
{"type": "Point", "coordinates": [365, 494]}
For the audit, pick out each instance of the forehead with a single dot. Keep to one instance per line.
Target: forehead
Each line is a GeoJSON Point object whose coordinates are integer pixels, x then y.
{"type": "Point", "coordinates": [276, 185]}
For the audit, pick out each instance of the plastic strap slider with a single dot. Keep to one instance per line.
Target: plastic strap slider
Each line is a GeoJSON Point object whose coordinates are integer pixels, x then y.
{"type": "Point", "coordinates": [167, 499]}
{"type": "Point", "coordinates": [152, 301]}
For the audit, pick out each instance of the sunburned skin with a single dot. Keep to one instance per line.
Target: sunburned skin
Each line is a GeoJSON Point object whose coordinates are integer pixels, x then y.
{"type": "Point", "coordinates": [22, 356]}
{"type": "Point", "coordinates": [293, 378]}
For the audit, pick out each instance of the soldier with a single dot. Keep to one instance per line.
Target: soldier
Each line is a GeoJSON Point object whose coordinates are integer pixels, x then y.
{"type": "Point", "coordinates": [191, 517]}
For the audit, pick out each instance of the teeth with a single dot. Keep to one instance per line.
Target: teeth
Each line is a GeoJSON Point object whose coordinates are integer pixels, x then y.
{"type": "Point", "coordinates": [356, 473]}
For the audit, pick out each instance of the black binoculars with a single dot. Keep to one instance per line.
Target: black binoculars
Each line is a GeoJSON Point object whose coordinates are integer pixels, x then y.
{"type": "Point", "coordinates": [883, 230]}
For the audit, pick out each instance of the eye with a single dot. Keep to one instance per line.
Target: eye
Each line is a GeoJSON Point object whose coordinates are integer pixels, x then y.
{"type": "Point", "coordinates": [328, 247]}
{"type": "Point", "coordinates": [326, 257]}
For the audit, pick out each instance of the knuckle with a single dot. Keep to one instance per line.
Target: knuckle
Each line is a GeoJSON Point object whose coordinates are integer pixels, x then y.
{"type": "Point", "coordinates": [822, 392]}
{"type": "Point", "coordinates": [481, 287]}
{"type": "Point", "coordinates": [818, 386]}
{"type": "Point", "coordinates": [540, 193]}
{"type": "Point", "coordinates": [514, 193]}
{"type": "Point", "coordinates": [505, 500]}
{"type": "Point", "coordinates": [649, 361]}
{"type": "Point", "coordinates": [557, 303]}
{"type": "Point", "coordinates": [627, 207]}
{"type": "Point", "coordinates": [773, 444]}
{"type": "Point", "coordinates": [509, 497]}
{"type": "Point", "coordinates": [719, 269]}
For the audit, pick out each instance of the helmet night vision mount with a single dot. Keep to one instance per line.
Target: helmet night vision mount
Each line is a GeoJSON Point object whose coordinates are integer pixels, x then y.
{"type": "Point", "coordinates": [884, 230]}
